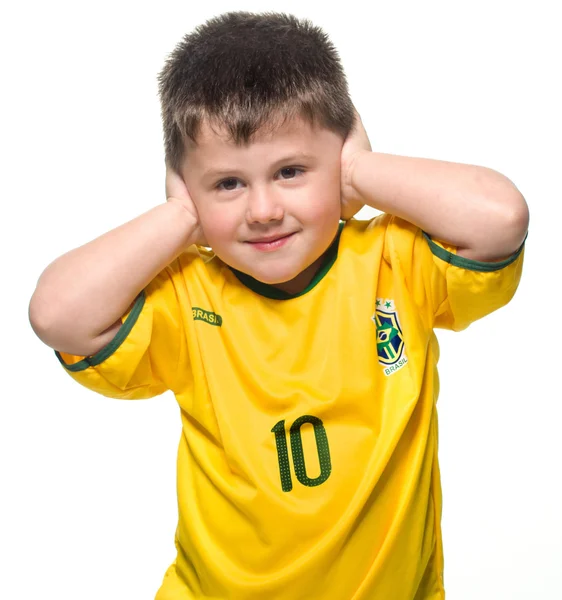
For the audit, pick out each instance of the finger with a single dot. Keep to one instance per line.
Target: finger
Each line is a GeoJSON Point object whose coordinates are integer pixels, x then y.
{"type": "Point", "coordinates": [175, 185]}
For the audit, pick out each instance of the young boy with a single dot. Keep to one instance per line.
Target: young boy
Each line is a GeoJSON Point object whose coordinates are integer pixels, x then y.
{"type": "Point", "coordinates": [301, 348]}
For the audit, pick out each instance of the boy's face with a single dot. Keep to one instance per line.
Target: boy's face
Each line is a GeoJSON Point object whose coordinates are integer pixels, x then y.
{"type": "Point", "coordinates": [282, 185]}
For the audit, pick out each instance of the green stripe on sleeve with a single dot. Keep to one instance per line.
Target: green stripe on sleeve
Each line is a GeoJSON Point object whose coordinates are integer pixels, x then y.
{"type": "Point", "coordinates": [107, 351]}
{"type": "Point", "coordinates": [468, 263]}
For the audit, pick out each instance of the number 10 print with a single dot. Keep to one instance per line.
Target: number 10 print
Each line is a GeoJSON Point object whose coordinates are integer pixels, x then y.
{"type": "Point", "coordinates": [298, 454]}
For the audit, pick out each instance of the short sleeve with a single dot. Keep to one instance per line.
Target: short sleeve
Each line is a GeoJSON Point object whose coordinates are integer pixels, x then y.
{"type": "Point", "coordinates": [473, 288]}
{"type": "Point", "coordinates": [143, 358]}
{"type": "Point", "coordinates": [454, 291]}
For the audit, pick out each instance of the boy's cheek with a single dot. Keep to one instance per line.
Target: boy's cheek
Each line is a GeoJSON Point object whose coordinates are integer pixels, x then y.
{"type": "Point", "coordinates": [323, 207]}
{"type": "Point", "coordinates": [217, 225]}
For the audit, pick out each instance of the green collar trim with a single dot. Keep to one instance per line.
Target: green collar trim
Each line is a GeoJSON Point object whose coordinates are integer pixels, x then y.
{"type": "Point", "coordinates": [269, 291]}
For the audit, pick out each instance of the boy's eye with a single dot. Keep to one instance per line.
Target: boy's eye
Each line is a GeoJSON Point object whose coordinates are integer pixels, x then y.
{"type": "Point", "coordinates": [290, 169]}
{"type": "Point", "coordinates": [232, 180]}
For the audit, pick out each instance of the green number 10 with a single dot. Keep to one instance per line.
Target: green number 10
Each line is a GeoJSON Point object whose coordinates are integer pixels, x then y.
{"type": "Point", "coordinates": [298, 455]}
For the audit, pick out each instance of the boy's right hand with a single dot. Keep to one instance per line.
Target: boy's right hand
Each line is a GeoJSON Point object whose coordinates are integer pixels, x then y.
{"type": "Point", "coordinates": [176, 191]}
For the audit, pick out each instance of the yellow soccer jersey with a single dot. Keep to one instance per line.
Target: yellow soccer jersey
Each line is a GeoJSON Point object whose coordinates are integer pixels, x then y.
{"type": "Point", "coordinates": [307, 466]}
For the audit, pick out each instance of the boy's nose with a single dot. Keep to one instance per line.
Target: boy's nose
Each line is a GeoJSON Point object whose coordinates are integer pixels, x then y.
{"type": "Point", "coordinates": [263, 206]}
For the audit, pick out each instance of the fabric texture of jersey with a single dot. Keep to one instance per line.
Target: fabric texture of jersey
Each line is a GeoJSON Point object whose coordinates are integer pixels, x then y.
{"type": "Point", "coordinates": [307, 465]}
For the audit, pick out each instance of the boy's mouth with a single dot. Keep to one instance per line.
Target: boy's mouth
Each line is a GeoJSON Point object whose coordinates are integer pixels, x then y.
{"type": "Point", "coordinates": [270, 242]}
{"type": "Point", "coordinates": [269, 238]}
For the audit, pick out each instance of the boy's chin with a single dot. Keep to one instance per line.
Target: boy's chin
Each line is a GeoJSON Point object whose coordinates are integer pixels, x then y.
{"type": "Point", "coordinates": [272, 278]}
{"type": "Point", "coordinates": [291, 278]}
{"type": "Point", "coordinates": [289, 281]}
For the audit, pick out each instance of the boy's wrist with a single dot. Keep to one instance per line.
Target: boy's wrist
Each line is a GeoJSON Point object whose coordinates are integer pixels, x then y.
{"type": "Point", "coordinates": [186, 216]}
{"type": "Point", "coordinates": [352, 174]}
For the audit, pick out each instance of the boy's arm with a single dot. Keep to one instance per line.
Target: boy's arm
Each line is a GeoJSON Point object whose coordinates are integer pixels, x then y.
{"type": "Point", "coordinates": [80, 297]}
{"type": "Point", "coordinates": [477, 215]}
{"type": "Point", "coordinates": [474, 208]}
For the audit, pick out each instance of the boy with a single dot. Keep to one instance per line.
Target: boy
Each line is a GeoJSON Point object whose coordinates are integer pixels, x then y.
{"type": "Point", "coordinates": [300, 349]}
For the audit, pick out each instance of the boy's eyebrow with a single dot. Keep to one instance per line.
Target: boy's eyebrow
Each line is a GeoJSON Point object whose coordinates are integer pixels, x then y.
{"type": "Point", "coordinates": [291, 158]}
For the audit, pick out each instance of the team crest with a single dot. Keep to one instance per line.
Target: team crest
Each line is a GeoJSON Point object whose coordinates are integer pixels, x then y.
{"type": "Point", "coordinates": [390, 341]}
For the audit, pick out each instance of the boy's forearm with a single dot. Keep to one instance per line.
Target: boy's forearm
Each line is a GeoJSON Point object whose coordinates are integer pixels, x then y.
{"type": "Point", "coordinates": [475, 208]}
{"type": "Point", "coordinates": [85, 291]}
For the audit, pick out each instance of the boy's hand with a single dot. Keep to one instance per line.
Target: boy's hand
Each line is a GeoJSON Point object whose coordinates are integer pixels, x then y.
{"type": "Point", "coordinates": [356, 142]}
{"type": "Point", "coordinates": [176, 191]}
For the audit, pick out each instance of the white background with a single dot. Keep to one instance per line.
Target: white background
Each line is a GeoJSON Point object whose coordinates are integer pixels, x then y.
{"type": "Point", "coordinates": [88, 501]}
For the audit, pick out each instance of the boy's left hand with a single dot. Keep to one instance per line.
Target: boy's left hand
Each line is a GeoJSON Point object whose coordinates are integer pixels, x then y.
{"type": "Point", "coordinates": [356, 142]}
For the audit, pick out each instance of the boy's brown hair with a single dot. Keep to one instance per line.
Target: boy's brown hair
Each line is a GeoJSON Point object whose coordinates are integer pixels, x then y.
{"type": "Point", "coordinates": [243, 72]}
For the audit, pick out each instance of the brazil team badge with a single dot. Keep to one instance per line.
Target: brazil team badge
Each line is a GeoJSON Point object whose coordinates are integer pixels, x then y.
{"type": "Point", "coordinates": [390, 341]}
